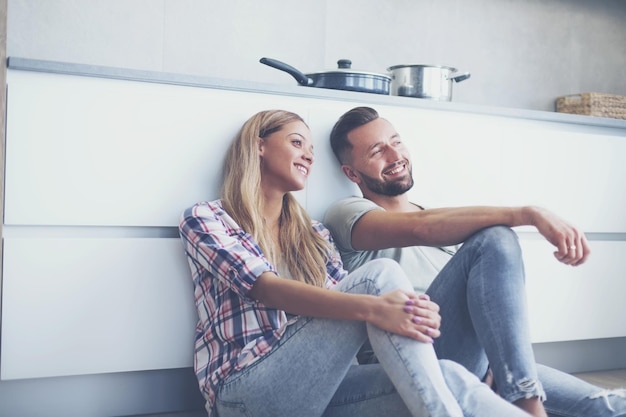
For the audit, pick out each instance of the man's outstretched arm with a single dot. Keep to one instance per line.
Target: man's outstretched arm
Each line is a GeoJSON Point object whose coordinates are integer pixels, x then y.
{"type": "Point", "coordinates": [378, 229]}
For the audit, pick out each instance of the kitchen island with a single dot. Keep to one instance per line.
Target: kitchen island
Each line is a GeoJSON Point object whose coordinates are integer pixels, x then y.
{"type": "Point", "coordinates": [100, 162]}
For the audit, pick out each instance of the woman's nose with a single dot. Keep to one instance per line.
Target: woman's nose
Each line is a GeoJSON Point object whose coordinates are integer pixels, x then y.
{"type": "Point", "coordinates": [308, 155]}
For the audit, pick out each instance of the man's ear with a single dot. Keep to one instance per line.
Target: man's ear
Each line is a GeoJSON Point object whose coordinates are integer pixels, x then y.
{"type": "Point", "coordinates": [351, 174]}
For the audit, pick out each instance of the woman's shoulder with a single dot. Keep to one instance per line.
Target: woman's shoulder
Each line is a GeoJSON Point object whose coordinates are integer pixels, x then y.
{"type": "Point", "coordinates": [317, 225]}
{"type": "Point", "coordinates": [204, 207]}
{"type": "Point", "coordinates": [204, 212]}
{"type": "Point", "coordinates": [321, 229]}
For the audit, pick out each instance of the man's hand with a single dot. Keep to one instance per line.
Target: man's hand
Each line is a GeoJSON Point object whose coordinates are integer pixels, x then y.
{"type": "Point", "coordinates": [571, 243]}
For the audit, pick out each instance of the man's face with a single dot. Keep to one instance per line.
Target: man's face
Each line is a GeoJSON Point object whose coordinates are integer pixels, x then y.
{"type": "Point", "coordinates": [379, 162]}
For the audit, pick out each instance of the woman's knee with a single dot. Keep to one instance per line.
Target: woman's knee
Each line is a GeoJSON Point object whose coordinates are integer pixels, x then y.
{"type": "Point", "coordinates": [456, 374]}
{"type": "Point", "coordinates": [385, 275]}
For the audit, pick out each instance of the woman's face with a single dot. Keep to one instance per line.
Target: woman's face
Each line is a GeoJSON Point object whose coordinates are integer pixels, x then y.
{"type": "Point", "coordinates": [287, 156]}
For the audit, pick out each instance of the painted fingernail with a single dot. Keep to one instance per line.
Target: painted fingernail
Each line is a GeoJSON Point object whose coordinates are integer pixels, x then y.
{"type": "Point", "coordinates": [407, 309]}
{"type": "Point", "coordinates": [425, 297]}
{"type": "Point", "coordinates": [417, 319]}
{"type": "Point", "coordinates": [409, 302]}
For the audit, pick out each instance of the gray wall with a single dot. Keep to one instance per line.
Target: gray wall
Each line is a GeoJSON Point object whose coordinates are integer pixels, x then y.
{"type": "Point", "coordinates": [521, 53]}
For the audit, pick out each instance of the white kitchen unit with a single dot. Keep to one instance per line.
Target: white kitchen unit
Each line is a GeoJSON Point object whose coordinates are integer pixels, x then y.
{"type": "Point", "coordinates": [100, 162]}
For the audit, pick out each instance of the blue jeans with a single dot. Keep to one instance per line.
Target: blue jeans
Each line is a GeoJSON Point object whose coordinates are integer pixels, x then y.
{"type": "Point", "coordinates": [312, 372]}
{"type": "Point", "coordinates": [481, 293]}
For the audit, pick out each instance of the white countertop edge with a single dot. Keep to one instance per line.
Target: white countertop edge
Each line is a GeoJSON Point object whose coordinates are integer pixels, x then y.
{"type": "Point", "coordinates": [28, 64]}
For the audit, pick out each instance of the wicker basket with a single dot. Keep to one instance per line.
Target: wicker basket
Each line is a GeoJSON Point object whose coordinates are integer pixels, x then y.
{"type": "Point", "coordinates": [593, 104]}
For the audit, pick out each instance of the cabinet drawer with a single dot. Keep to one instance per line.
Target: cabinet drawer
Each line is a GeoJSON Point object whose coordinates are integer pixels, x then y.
{"type": "Point", "coordinates": [87, 306]}
{"type": "Point", "coordinates": [575, 303]}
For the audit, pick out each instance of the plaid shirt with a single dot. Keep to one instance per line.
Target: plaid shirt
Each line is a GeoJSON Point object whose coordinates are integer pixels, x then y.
{"type": "Point", "coordinates": [233, 329]}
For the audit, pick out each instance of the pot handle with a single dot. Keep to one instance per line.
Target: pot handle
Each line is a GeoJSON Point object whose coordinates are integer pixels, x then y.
{"type": "Point", "coordinates": [300, 77]}
{"type": "Point", "coordinates": [460, 77]}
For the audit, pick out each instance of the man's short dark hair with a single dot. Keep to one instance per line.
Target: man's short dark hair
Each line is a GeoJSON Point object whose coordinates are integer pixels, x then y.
{"type": "Point", "coordinates": [354, 118]}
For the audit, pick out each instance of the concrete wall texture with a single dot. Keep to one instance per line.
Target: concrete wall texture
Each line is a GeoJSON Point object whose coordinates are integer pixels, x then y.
{"type": "Point", "coordinates": [521, 53]}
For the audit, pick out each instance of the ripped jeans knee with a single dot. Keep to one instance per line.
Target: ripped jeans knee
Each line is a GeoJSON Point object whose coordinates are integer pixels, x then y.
{"type": "Point", "coordinates": [523, 387]}
{"type": "Point", "coordinates": [607, 395]}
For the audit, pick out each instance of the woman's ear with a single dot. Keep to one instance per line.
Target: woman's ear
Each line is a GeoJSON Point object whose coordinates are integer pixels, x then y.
{"type": "Point", "coordinates": [260, 143]}
{"type": "Point", "coordinates": [351, 173]}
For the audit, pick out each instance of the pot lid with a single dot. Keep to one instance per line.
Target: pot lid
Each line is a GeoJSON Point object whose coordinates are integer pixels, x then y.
{"type": "Point", "coordinates": [344, 67]}
{"type": "Point", "coordinates": [451, 69]}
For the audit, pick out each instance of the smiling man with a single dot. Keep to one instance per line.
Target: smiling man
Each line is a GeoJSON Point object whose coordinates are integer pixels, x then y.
{"type": "Point", "coordinates": [479, 288]}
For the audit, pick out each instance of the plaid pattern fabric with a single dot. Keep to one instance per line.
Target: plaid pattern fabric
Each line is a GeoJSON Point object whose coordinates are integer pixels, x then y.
{"type": "Point", "coordinates": [233, 329]}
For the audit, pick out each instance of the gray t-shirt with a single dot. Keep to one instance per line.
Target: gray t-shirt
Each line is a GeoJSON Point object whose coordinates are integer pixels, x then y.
{"type": "Point", "coordinates": [420, 263]}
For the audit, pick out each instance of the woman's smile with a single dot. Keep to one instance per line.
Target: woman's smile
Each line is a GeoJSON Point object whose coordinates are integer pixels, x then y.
{"type": "Point", "coordinates": [304, 170]}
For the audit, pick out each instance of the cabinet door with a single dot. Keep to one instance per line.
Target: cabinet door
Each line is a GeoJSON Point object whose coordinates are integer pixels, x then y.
{"type": "Point", "coordinates": [90, 151]}
{"type": "Point", "coordinates": [75, 306]}
{"type": "Point", "coordinates": [575, 303]}
{"type": "Point", "coordinates": [578, 174]}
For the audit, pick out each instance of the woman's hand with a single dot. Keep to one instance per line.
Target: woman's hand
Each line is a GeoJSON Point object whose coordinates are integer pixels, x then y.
{"type": "Point", "coordinates": [410, 315]}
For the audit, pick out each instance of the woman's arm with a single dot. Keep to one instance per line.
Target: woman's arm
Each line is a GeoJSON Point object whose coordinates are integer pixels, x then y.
{"type": "Point", "coordinates": [398, 312]}
{"type": "Point", "coordinates": [215, 243]}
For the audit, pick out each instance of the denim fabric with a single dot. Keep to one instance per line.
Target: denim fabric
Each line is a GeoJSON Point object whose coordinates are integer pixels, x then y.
{"type": "Point", "coordinates": [569, 396]}
{"type": "Point", "coordinates": [311, 372]}
{"type": "Point", "coordinates": [484, 323]}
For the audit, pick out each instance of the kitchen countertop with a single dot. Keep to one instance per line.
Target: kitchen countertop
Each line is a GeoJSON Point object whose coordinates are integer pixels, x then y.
{"type": "Point", "coordinates": [27, 64]}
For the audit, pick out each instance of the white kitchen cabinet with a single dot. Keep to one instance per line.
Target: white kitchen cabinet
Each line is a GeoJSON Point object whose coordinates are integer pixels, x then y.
{"type": "Point", "coordinates": [99, 169]}
{"type": "Point", "coordinates": [76, 306]}
{"type": "Point", "coordinates": [94, 151]}
{"type": "Point", "coordinates": [575, 303]}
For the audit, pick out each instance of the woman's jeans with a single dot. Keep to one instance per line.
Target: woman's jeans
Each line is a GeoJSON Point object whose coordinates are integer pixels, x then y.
{"type": "Point", "coordinates": [481, 293]}
{"type": "Point", "coordinates": [312, 372]}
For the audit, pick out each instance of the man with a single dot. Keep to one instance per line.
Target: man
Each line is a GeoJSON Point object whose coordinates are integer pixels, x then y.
{"type": "Point", "coordinates": [479, 288]}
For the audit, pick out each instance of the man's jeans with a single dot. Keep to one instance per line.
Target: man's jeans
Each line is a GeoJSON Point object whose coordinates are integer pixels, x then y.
{"type": "Point", "coordinates": [311, 372]}
{"type": "Point", "coordinates": [484, 323]}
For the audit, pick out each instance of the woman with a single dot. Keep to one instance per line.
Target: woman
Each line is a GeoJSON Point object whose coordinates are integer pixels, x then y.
{"type": "Point", "coordinates": [280, 321]}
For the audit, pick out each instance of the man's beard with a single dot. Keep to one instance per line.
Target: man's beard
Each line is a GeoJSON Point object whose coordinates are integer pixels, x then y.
{"type": "Point", "coordinates": [390, 189]}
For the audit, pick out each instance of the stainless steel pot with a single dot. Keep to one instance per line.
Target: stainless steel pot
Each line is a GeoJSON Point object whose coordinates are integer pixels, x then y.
{"type": "Point", "coordinates": [424, 81]}
{"type": "Point", "coordinates": [343, 78]}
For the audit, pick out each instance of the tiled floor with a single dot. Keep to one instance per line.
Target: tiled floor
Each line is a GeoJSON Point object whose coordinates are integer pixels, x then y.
{"type": "Point", "coordinates": [605, 379]}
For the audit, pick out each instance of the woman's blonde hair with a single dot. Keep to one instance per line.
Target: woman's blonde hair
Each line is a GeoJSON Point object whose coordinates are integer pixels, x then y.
{"type": "Point", "coordinates": [303, 250]}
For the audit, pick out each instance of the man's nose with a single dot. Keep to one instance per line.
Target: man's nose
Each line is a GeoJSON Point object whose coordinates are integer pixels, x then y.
{"type": "Point", "coordinates": [393, 153]}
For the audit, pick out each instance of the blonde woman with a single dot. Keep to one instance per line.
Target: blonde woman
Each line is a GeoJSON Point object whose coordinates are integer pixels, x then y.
{"type": "Point", "coordinates": [280, 320]}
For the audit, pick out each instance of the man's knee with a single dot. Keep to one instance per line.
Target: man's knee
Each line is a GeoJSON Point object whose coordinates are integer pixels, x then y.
{"type": "Point", "coordinates": [499, 238]}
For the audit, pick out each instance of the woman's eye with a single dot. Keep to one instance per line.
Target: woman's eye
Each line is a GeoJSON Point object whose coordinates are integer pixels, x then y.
{"type": "Point", "coordinates": [297, 142]}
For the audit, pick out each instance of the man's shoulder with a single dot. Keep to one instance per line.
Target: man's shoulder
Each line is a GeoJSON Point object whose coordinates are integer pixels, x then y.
{"type": "Point", "coordinates": [348, 210]}
{"type": "Point", "coordinates": [341, 217]}
{"type": "Point", "coordinates": [351, 203]}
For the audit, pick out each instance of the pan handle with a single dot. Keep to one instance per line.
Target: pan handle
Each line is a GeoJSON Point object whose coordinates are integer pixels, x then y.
{"type": "Point", "coordinates": [460, 77]}
{"type": "Point", "coordinates": [300, 77]}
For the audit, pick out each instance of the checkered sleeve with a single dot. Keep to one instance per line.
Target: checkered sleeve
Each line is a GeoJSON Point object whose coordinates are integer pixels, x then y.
{"type": "Point", "coordinates": [213, 240]}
